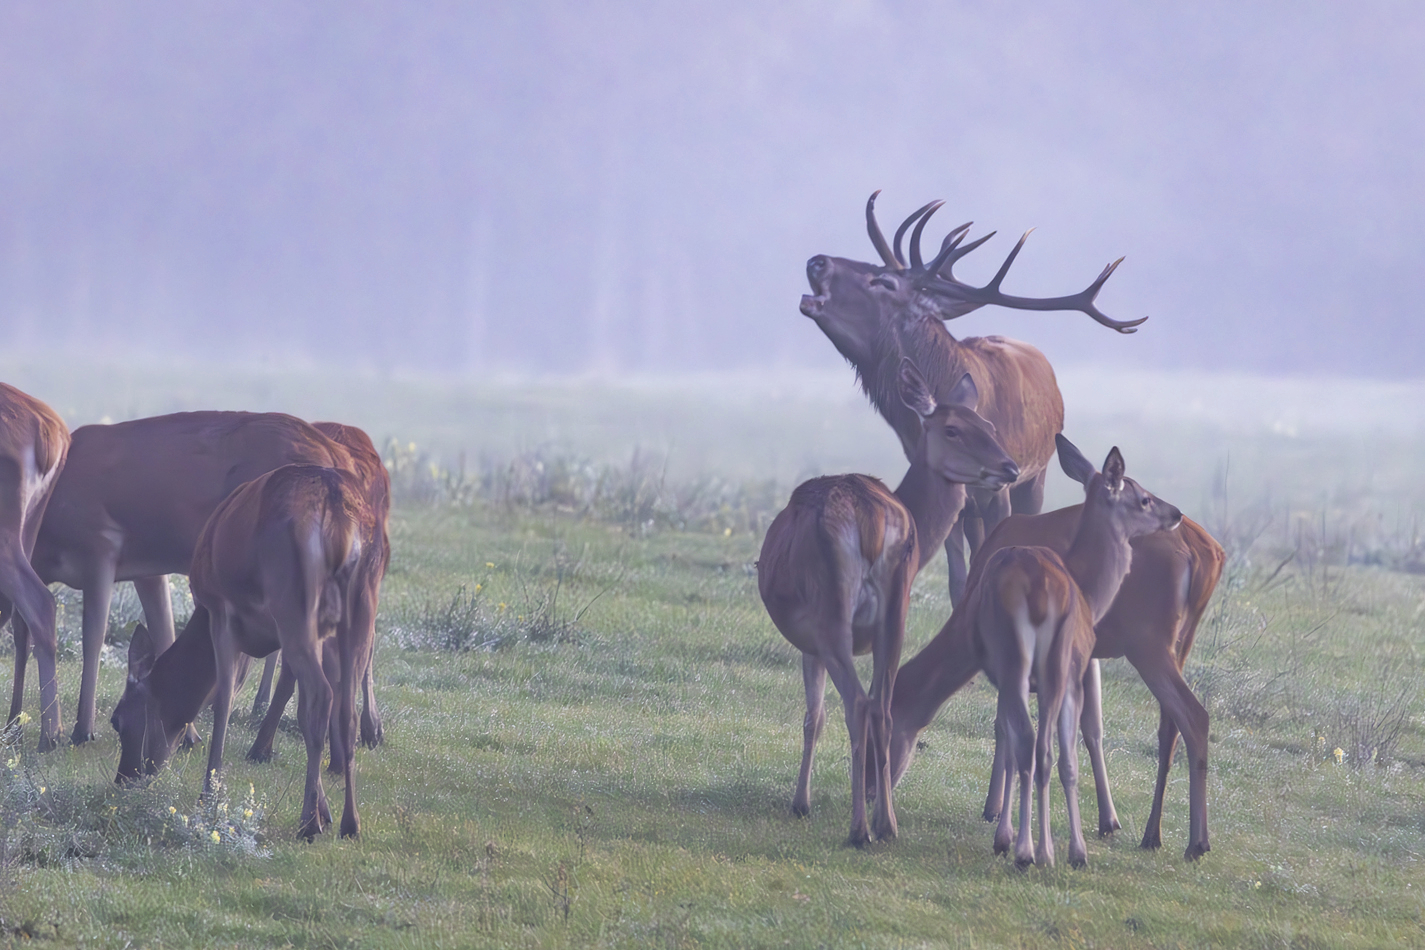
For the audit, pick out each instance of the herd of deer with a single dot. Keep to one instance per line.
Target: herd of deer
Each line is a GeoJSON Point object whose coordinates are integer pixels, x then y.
{"type": "Point", "coordinates": [1043, 597]}
{"type": "Point", "coordinates": [281, 528]}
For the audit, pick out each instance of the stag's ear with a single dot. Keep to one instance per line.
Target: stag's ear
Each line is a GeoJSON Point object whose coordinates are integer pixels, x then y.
{"type": "Point", "coordinates": [1113, 468]}
{"type": "Point", "coordinates": [1072, 461]}
{"type": "Point", "coordinates": [914, 392]}
{"type": "Point", "coordinates": [141, 654]}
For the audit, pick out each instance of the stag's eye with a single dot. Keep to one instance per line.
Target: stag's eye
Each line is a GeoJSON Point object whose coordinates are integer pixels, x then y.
{"type": "Point", "coordinates": [883, 281]}
{"type": "Point", "coordinates": [951, 432]}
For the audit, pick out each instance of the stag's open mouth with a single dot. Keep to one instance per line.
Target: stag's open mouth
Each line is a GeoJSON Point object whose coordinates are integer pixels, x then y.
{"type": "Point", "coordinates": [811, 306]}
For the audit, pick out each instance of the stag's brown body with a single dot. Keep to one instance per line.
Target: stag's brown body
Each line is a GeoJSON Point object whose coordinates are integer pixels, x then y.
{"type": "Point", "coordinates": [376, 553]}
{"type": "Point", "coordinates": [876, 315]}
{"type": "Point", "coordinates": [277, 567]}
{"type": "Point", "coordinates": [133, 498]}
{"type": "Point", "coordinates": [34, 442]}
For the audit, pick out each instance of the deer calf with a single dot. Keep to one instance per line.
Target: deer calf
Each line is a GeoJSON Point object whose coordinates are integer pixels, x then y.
{"type": "Point", "coordinates": [1035, 616]}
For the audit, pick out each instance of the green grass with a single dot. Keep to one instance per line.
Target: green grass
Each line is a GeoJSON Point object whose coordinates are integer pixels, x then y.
{"type": "Point", "coordinates": [597, 746]}
{"type": "Point", "coordinates": [628, 784]}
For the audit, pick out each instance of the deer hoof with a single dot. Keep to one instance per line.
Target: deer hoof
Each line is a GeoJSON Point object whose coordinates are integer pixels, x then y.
{"type": "Point", "coordinates": [48, 743]}
{"type": "Point", "coordinates": [991, 815]}
{"type": "Point", "coordinates": [259, 754]}
{"type": "Point", "coordinates": [1196, 851]}
{"type": "Point", "coordinates": [1152, 841]}
{"type": "Point", "coordinates": [859, 840]}
{"type": "Point", "coordinates": [800, 810]}
{"type": "Point", "coordinates": [79, 738]}
{"type": "Point", "coordinates": [1104, 830]}
{"type": "Point", "coordinates": [372, 734]}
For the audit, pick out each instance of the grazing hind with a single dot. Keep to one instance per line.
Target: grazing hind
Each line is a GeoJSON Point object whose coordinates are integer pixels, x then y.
{"type": "Point", "coordinates": [276, 567]}
{"type": "Point", "coordinates": [836, 568]}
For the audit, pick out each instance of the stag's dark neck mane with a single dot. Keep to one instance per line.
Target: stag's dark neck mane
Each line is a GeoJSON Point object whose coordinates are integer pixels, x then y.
{"type": "Point", "coordinates": [922, 337]}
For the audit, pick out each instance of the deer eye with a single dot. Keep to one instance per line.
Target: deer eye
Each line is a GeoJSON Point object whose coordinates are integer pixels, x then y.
{"type": "Point", "coordinates": [951, 432]}
{"type": "Point", "coordinates": [887, 282]}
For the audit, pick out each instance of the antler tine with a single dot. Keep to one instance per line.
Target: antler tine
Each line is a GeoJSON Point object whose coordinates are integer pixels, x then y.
{"type": "Point", "coordinates": [915, 262]}
{"type": "Point", "coordinates": [923, 212]}
{"type": "Point", "coordinates": [971, 298]}
{"type": "Point", "coordinates": [877, 238]}
{"type": "Point", "coordinates": [951, 253]}
{"type": "Point", "coordinates": [1004, 268]}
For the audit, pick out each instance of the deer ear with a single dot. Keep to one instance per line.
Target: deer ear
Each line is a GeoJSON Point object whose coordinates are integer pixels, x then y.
{"type": "Point", "coordinates": [1113, 468]}
{"type": "Point", "coordinates": [914, 392]}
{"type": "Point", "coordinates": [1072, 461]}
{"type": "Point", "coordinates": [964, 394]}
{"type": "Point", "coordinates": [141, 654]}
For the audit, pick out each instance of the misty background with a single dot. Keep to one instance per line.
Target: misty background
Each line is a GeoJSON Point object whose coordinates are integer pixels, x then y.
{"type": "Point", "coordinates": [466, 189]}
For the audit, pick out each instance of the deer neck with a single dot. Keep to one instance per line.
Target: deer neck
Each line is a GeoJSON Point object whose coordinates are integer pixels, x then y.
{"type": "Point", "coordinates": [1098, 559]}
{"type": "Point", "coordinates": [933, 502]}
{"type": "Point", "coordinates": [937, 672]}
{"type": "Point", "coordinates": [184, 675]}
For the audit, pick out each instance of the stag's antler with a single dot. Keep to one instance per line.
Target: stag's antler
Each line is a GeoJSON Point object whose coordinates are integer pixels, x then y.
{"type": "Point", "coordinates": [938, 276]}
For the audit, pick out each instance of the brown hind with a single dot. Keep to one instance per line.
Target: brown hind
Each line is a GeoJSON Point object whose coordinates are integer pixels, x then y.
{"type": "Point", "coordinates": [377, 551]}
{"type": "Point", "coordinates": [277, 567]}
{"type": "Point", "coordinates": [836, 568]}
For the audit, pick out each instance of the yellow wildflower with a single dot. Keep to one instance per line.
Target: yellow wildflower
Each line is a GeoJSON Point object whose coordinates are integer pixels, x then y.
{"type": "Point", "coordinates": [1340, 755]}
{"type": "Point", "coordinates": [215, 836]}
{"type": "Point", "coordinates": [24, 717]}
{"type": "Point", "coordinates": [489, 563]}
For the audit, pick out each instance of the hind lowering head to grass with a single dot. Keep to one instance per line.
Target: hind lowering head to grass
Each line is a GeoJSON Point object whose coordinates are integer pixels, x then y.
{"type": "Point", "coordinates": [836, 569]}
{"type": "Point", "coordinates": [276, 567]}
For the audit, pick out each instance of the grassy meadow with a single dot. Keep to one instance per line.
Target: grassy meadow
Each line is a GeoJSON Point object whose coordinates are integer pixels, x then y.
{"type": "Point", "coordinates": [592, 729]}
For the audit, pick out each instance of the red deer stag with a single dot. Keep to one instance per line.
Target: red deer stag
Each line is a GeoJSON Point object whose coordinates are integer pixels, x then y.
{"type": "Point", "coordinates": [877, 314]}
{"type": "Point", "coordinates": [1152, 623]}
{"type": "Point", "coordinates": [376, 549]}
{"type": "Point", "coordinates": [132, 500]}
{"type": "Point", "coordinates": [836, 568]}
{"type": "Point", "coordinates": [1034, 615]}
{"type": "Point", "coordinates": [33, 443]}
{"type": "Point", "coordinates": [276, 567]}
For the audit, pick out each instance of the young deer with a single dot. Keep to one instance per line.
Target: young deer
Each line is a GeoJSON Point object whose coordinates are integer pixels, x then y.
{"type": "Point", "coordinates": [1035, 616]}
{"type": "Point", "coordinates": [277, 566]}
{"type": "Point", "coordinates": [836, 568]}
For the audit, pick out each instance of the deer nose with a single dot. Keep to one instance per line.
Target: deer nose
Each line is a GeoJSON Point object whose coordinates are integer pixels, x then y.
{"type": "Point", "coordinates": [811, 306]}
{"type": "Point", "coordinates": [1009, 472]}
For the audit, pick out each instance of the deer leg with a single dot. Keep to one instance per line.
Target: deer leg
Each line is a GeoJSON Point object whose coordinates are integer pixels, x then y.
{"type": "Point", "coordinates": [364, 621]}
{"type": "Point", "coordinates": [856, 705]}
{"type": "Point", "coordinates": [1069, 773]}
{"type": "Point", "coordinates": [373, 733]}
{"type": "Point", "coordinates": [1027, 496]}
{"type": "Point", "coordinates": [814, 679]}
{"type": "Point", "coordinates": [331, 668]}
{"type": "Point", "coordinates": [1167, 748]}
{"type": "Point", "coordinates": [1019, 735]}
{"type": "Point", "coordinates": [22, 658]}
{"type": "Point", "coordinates": [956, 561]}
{"type": "Point", "coordinates": [261, 750]}
{"type": "Point", "coordinates": [313, 709]}
{"type": "Point", "coordinates": [994, 801]}
{"type": "Point", "coordinates": [33, 620]}
{"type": "Point", "coordinates": [1179, 704]}
{"type": "Point", "coordinates": [1091, 725]}
{"type": "Point", "coordinates": [96, 624]}
{"type": "Point", "coordinates": [1051, 706]}
{"type": "Point", "coordinates": [264, 685]}
{"type": "Point", "coordinates": [353, 655]}
{"type": "Point", "coordinates": [225, 661]}
{"type": "Point", "coordinates": [886, 654]}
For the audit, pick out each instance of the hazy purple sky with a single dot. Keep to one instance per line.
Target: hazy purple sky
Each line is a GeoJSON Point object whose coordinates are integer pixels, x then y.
{"type": "Point", "coordinates": [564, 187]}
